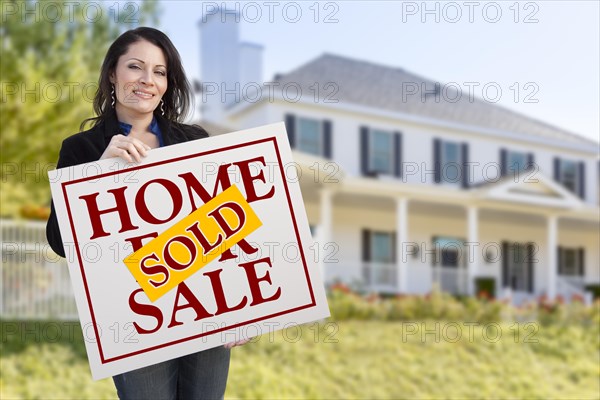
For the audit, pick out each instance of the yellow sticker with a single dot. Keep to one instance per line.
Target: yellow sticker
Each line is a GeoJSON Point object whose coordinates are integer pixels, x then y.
{"type": "Point", "coordinates": [192, 243]}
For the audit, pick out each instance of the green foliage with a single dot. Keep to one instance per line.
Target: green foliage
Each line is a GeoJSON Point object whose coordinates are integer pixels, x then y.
{"type": "Point", "coordinates": [595, 289]}
{"type": "Point", "coordinates": [486, 285]}
{"type": "Point", "coordinates": [41, 360]}
{"type": "Point", "coordinates": [346, 359]}
{"type": "Point", "coordinates": [437, 305]}
{"type": "Point", "coordinates": [48, 78]}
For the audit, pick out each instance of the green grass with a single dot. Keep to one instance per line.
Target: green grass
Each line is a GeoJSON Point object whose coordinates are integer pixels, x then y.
{"type": "Point", "coordinates": [362, 359]}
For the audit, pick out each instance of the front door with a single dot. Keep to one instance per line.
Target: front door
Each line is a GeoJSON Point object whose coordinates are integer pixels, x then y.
{"type": "Point", "coordinates": [449, 264]}
{"type": "Point", "coordinates": [517, 266]}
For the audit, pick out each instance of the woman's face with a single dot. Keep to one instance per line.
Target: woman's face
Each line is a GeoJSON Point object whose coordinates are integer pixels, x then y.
{"type": "Point", "coordinates": [140, 79]}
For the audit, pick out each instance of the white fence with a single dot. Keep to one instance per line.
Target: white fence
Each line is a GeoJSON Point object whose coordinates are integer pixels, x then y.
{"type": "Point", "coordinates": [34, 280]}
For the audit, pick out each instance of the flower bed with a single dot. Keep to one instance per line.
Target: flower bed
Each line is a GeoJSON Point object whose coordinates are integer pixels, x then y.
{"type": "Point", "coordinates": [346, 304]}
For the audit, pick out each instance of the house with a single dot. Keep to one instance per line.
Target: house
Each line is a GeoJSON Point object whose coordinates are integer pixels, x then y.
{"type": "Point", "coordinates": [407, 184]}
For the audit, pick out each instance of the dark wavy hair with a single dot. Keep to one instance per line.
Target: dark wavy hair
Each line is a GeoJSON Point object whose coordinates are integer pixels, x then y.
{"type": "Point", "coordinates": [178, 97]}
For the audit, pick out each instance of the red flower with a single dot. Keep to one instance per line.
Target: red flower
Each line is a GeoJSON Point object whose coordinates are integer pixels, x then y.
{"type": "Point", "coordinates": [372, 298]}
{"type": "Point", "coordinates": [576, 297]}
{"type": "Point", "coordinates": [341, 288]}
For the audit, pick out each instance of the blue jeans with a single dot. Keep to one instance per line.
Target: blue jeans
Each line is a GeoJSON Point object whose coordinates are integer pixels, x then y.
{"type": "Point", "coordinates": [201, 375]}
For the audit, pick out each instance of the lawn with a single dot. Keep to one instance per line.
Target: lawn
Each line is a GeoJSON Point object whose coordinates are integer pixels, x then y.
{"type": "Point", "coordinates": [345, 359]}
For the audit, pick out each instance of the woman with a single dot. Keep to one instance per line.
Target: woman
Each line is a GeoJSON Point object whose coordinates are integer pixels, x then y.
{"type": "Point", "coordinates": [142, 98]}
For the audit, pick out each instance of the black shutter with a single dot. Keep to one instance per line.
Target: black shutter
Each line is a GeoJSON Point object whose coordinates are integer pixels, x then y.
{"type": "Point", "coordinates": [530, 252]}
{"type": "Point", "coordinates": [505, 282]}
{"type": "Point", "coordinates": [582, 180]}
{"type": "Point", "coordinates": [581, 257]}
{"type": "Point", "coordinates": [398, 154]}
{"type": "Point", "coordinates": [366, 245]}
{"type": "Point", "coordinates": [437, 153]}
{"type": "Point", "coordinates": [559, 260]}
{"type": "Point", "coordinates": [503, 159]}
{"type": "Point", "coordinates": [290, 126]}
{"type": "Point", "coordinates": [465, 165]}
{"type": "Point", "coordinates": [327, 138]}
{"type": "Point", "coordinates": [530, 161]}
{"type": "Point", "coordinates": [557, 169]}
{"type": "Point", "coordinates": [364, 150]}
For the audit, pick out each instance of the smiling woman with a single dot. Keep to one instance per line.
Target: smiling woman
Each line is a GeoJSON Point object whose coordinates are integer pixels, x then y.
{"type": "Point", "coordinates": [142, 99]}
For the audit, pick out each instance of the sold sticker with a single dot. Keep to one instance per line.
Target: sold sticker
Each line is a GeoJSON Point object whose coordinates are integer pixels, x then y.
{"type": "Point", "coordinates": [192, 243]}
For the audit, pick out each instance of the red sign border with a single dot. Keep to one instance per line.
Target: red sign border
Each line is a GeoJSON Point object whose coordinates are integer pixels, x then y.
{"type": "Point", "coordinates": [128, 170]}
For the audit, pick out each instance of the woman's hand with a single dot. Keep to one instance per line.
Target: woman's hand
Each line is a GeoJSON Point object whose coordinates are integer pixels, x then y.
{"type": "Point", "coordinates": [128, 148]}
{"type": "Point", "coordinates": [238, 343]}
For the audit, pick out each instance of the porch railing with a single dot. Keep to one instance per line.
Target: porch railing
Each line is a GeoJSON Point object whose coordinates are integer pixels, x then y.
{"type": "Point", "coordinates": [570, 286]}
{"type": "Point", "coordinates": [452, 280]}
{"type": "Point", "coordinates": [381, 277]}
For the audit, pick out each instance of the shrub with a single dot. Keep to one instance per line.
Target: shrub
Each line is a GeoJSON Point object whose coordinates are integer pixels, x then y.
{"type": "Point", "coordinates": [595, 289]}
{"type": "Point", "coordinates": [485, 287]}
{"type": "Point", "coordinates": [345, 304]}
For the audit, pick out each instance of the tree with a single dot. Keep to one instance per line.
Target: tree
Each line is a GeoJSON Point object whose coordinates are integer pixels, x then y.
{"type": "Point", "coordinates": [51, 57]}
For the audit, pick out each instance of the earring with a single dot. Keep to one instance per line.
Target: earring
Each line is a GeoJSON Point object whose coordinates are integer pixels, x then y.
{"type": "Point", "coordinates": [112, 96]}
{"type": "Point", "coordinates": [162, 110]}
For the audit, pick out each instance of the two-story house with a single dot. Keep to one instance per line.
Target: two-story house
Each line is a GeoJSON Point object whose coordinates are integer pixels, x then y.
{"type": "Point", "coordinates": [407, 189]}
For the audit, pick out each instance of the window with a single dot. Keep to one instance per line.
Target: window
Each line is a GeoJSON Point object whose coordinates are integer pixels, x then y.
{"type": "Point", "coordinates": [570, 261]}
{"type": "Point", "coordinates": [451, 158]}
{"type": "Point", "coordinates": [382, 247]}
{"type": "Point", "coordinates": [568, 175]}
{"type": "Point", "coordinates": [515, 161]}
{"type": "Point", "coordinates": [309, 136]}
{"type": "Point", "coordinates": [382, 152]}
{"type": "Point", "coordinates": [571, 174]}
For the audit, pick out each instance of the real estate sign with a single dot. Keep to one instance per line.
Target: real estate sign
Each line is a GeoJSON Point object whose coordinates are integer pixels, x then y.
{"type": "Point", "coordinates": [183, 251]}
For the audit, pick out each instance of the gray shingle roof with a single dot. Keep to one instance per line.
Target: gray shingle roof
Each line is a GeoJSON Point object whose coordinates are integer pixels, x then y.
{"type": "Point", "coordinates": [368, 84]}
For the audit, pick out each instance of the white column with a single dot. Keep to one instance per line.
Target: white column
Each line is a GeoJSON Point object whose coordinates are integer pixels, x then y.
{"type": "Point", "coordinates": [473, 249]}
{"type": "Point", "coordinates": [552, 264]}
{"type": "Point", "coordinates": [324, 227]}
{"type": "Point", "coordinates": [401, 239]}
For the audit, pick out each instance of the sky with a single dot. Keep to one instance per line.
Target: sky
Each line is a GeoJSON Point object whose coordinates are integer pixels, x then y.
{"type": "Point", "coordinates": [544, 56]}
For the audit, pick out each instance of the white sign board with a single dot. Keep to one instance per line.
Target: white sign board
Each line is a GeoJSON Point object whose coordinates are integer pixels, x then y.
{"type": "Point", "coordinates": [266, 281]}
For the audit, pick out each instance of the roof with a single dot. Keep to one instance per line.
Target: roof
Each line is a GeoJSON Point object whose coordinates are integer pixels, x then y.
{"type": "Point", "coordinates": [373, 85]}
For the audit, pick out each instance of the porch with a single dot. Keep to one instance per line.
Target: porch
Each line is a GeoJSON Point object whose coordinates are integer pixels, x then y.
{"type": "Point", "coordinates": [419, 236]}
